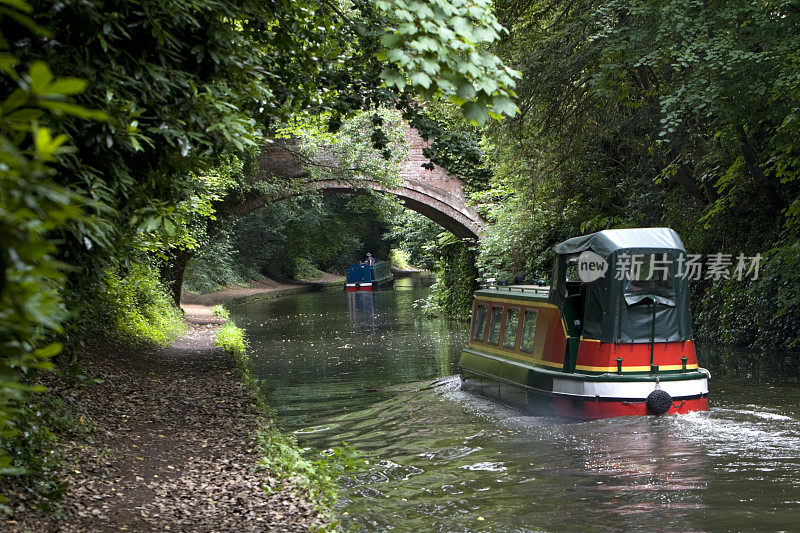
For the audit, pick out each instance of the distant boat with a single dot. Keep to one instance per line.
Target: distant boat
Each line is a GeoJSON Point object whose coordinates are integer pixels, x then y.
{"type": "Point", "coordinates": [366, 277]}
{"type": "Point", "coordinates": [596, 344]}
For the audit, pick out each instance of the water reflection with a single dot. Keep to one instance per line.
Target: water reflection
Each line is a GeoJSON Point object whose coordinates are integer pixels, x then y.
{"type": "Point", "coordinates": [373, 372]}
{"type": "Point", "coordinates": [361, 309]}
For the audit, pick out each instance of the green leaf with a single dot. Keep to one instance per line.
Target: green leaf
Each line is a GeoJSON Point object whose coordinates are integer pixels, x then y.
{"type": "Point", "coordinates": [475, 112]}
{"type": "Point", "coordinates": [67, 86]}
{"type": "Point", "coordinates": [421, 79]}
{"type": "Point", "coordinates": [40, 77]}
{"type": "Point", "coordinates": [7, 64]}
{"type": "Point", "coordinates": [504, 105]}
{"type": "Point", "coordinates": [49, 351]}
{"type": "Point", "coordinates": [466, 91]}
{"type": "Point", "coordinates": [73, 109]}
{"type": "Point", "coordinates": [392, 78]}
{"type": "Point", "coordinates": [20, 5]}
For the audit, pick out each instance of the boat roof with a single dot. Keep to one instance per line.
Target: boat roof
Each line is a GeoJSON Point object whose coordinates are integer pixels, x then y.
{"type": "Point", "coordinates": [523, 292]}
{"type": "Point", "coordinates": [608, 241]}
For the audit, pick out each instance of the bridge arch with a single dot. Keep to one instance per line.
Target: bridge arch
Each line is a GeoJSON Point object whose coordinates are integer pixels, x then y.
{"type": "Point", "coordinates": [432, 193]}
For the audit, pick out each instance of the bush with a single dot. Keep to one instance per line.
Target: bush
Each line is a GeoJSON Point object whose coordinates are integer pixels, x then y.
{"type": "Point", "coordinates": [33, 451]}
{"type": "Point", "coordinates": [400, 259]}
{"type": "Point", "coordinates": [763, 313]}
{"type": "Point", "coordinates": [231, 339]}
{"type": "Point", "coordinates": [451, 295]}
{"type": "Point", "coordinates": [221, 312]}
{"type": "Point", "coordinates": [305, 270]}
{"type": "Point", "coordinates": [135, 306]}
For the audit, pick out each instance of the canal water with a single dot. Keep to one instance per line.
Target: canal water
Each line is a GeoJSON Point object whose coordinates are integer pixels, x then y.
{"type": "Point", "coordinates": [370, 370]}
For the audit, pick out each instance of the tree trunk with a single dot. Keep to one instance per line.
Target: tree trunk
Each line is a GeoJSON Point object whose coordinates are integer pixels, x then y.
{"type": "Point", "coordinates": [754, 168]}
{"type": "Point", "coordinates": [172, 273]}
{"type": "Point", "coordinates": [685, 177]}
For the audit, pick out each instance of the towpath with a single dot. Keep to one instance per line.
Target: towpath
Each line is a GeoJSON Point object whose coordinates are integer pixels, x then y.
{"type": "Point", "coordinates": [172, 447]}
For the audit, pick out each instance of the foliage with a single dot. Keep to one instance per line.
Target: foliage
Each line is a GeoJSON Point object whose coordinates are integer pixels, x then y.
{"type": "Point", "coordinates": [369, 146]}
{"type": "Point", "coordinates": [417, 236]}
{"type": "Point", "coordinates": [123, 126]}
{"type": "Point", "coordinates": [221, 312]}
{"type": "Point", "coordinates": [763, 312]}
{"type": "Point", "coordinates": [32, 207]}
{"type": "Point", "coordinates": [439, 49]}
{"type": "Point", "coordinates": [135, 306]}
{"type": "Point", "coordinates": [282, 239]}
{"type": "Point", "coordinates": [304, 270]}
{"type": "Point", "coordinates": [399, 259]}
{"type": "Point", "coordinates": [231, 339]}
{"type": "Point", "coordinates": [455, 144]}
{"type": "Point", "coordinates": [650, 113]}
{"type": "Point", "coordinates": [33, 451]}
{"type": "Point", "coordinates": [456, 278]}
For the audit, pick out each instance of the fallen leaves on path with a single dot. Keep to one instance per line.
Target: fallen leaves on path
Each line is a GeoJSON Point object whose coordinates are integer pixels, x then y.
{"type": "Point", "coordinates": [172, 449]}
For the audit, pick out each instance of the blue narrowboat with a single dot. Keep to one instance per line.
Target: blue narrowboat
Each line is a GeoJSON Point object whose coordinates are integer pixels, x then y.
{"type": "Point", "coordinates": [369, 277]}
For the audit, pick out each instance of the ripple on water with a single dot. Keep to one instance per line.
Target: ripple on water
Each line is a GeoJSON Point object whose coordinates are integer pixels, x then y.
{"type": "Point", "coordinates": [444, 460]}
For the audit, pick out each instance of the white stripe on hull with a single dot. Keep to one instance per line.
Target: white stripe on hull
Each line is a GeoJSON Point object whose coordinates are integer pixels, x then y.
{"type": "Point", "coordinates": [629, 390]}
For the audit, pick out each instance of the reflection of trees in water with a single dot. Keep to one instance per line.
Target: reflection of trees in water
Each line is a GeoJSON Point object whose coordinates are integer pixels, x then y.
{"type": "Point", "coordinates": [732, 363]}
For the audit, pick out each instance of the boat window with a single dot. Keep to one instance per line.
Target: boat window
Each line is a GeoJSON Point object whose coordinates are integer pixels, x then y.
{"type": "Point", "coordinates": [480, 321]}
{"type": "Point", "coordinates": [494, 324]}
{"type": "Point", "coordinates": [649, 273]}
{"type": "Point", "coordinates": [512, 319]}
{"type": "Point", "coordinates": [528, 330]}
{"type": "Point", "coordinates": [572, 273]}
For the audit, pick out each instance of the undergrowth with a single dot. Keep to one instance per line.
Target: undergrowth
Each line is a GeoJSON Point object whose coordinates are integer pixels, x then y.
{"type": "Point", "coordinates": [305, 270]}
{"type": "Point", "coordinates": [132, 305]}
{"type": "Point", "coordinates": [221, 312]}
{"type": "Point", "coordinates": [34, 454]}
{"type": "Point", "coordinates": [400, 259]}
{"type": "Point", "coordinates": [231, 339]}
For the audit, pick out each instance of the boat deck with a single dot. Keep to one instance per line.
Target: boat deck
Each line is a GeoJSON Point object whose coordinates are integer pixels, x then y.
{"type": "Point", "coordinates": [532, 292]}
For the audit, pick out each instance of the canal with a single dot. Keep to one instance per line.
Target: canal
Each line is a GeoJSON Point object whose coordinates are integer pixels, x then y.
{"type": "Point", "coordinates": [370, 370]}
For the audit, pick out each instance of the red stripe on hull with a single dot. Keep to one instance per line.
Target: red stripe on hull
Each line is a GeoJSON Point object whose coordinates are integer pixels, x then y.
{"type": "Point", "coordinates": [356, 289]}
{"type": "Point", "coordinates": [591, 409]}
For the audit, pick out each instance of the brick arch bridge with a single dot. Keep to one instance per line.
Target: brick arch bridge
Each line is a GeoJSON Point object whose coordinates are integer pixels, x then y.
{"type": "Point", "coordinates": [432, 193]}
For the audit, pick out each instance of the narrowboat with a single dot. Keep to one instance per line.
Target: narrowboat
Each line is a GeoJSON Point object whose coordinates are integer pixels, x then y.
{"type": "Point", "coordinates": [368, 277]}
{"type": "Point", "coordinates": [611, 335]}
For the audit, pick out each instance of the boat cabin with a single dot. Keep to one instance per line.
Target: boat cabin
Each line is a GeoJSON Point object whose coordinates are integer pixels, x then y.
{"type": "Point", "coordinates": [616, 304]}
{"type": "Point", "coordinates": [366, 277]}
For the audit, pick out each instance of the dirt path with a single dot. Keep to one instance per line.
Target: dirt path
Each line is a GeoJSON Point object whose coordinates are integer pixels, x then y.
{"type": "Point", "coordinates": [264, 287]}
{"type": "Point", "coordinates": [172, 449]}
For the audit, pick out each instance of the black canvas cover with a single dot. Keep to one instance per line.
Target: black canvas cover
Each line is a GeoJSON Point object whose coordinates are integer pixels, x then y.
{"type": "Point", "coordinates": [629, 304]}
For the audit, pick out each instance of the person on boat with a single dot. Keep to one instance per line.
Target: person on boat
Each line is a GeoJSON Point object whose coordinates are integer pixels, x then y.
{"type": "Point", "coordinates": [370, 259]}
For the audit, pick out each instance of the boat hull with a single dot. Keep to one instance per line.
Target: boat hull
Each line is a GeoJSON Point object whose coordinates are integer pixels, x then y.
{"type": "Point", "coordinates": [574, 395]}
{"type": "Point", "coordinates": [383, 284]}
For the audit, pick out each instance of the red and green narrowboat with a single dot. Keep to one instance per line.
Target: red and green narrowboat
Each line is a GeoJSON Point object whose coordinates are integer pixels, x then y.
{"type": "Point", "coordinates": [611, 336]}
{"type": "Point", "coordinates": [369, 277]}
